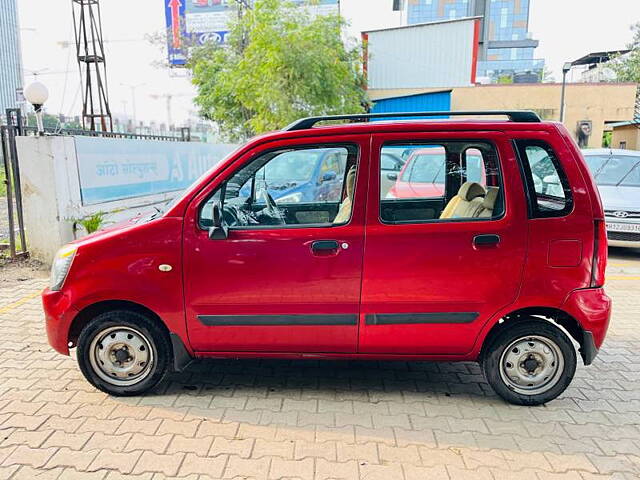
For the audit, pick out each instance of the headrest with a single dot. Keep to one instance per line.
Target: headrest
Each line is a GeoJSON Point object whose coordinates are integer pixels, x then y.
{"type": "Point", "coordinates": [351, 181]}
{"type": "Point", "coordinates": [470, 190]}
{"type": "Point", "coordinates": [491, 197]}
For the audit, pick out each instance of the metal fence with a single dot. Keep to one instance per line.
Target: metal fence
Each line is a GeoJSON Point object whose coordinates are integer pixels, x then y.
{"type": "Point", "coordinates": [12, 232]}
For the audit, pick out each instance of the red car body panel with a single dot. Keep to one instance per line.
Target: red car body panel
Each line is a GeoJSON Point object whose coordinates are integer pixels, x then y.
{"type": "Point", "coordinates": [385, 269]}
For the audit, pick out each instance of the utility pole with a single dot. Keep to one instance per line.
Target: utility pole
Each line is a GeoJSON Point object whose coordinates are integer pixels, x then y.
{"type": "Point", "coordinates": [168, 97]}
{"type": "Point", "coordinates": [87, 27]}
{"type": "Point", "coordinates": [133, 101]}
{"type": "Point", "coordinates": [565, 69]}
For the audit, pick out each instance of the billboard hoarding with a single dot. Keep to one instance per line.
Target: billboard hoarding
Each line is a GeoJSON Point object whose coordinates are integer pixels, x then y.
{"type": "Point", "coordinates": [202, 21]}
{"type": "Point", "coordinates": [174, 11]}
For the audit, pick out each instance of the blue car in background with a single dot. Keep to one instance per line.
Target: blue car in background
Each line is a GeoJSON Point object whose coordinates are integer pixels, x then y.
{"type": "Point", "coordinates": [300, 176]}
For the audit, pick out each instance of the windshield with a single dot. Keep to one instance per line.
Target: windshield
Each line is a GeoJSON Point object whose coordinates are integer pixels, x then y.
{"type": "Point", "coordinates": [426, 168]}
{"type": "Point", "coordinates": [615, 169]}
{"type": "Point", "coordinates": [291, 167]}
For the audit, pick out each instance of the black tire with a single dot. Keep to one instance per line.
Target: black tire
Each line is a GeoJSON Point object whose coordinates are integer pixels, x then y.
{"type": "Point", "coordinates": [153, 346]}
{"type": "Point", "coordinates": [541, 336]}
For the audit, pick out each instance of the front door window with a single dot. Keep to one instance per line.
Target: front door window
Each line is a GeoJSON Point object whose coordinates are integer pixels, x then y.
{"type": "Point", "coordinates": [306, 186]}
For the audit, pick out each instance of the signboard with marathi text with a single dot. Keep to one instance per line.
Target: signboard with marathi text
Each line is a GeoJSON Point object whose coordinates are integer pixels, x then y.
{"type": "Point", "coordinates": [117, 169]}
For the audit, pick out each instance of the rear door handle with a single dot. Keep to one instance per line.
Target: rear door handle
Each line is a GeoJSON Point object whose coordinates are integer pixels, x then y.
{"type": "Point", "coordinates": [324, 246]}
{"type": "Point", "coordinates": [486, 240]}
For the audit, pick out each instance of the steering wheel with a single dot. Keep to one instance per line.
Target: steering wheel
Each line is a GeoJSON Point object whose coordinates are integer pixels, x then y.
{"type": "Point", "coordinates": [272, 208]}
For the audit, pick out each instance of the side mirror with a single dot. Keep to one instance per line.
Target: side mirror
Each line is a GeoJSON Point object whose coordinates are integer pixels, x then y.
{"type": "Point", "coordinates": [218, 231]}
{"type": "Point", "coordinates": [329, 176]}
{"type": "Point", "coordinates": [392, 176]}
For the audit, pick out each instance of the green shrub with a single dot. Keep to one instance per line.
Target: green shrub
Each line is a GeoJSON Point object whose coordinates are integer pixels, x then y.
{"type": "Point", "coordinates": [93, 223]}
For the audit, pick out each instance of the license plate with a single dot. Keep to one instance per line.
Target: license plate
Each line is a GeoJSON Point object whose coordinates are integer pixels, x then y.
{"type": "Point", "coordinates": [623, 227]}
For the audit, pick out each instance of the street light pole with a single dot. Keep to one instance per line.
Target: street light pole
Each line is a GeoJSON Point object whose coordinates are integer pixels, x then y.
{"type": "Point", "coordinates": [37, 94]}
{"type": "Point", "coordinates": [133, 101]}
{"type": "Point", "coordinates": [565, 69]}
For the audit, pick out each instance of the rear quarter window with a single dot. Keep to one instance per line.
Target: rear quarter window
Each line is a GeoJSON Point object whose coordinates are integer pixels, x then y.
{"type": "Point", "coordinates": [548, 188]}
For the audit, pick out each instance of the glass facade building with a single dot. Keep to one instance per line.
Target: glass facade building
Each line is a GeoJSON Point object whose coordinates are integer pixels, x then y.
{"type": "Point", "coordinates": [10, 55]}
{"type": "Point", "coordinates": [506, 50]}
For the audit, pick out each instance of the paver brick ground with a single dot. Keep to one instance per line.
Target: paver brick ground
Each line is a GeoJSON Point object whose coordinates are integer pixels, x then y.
{"type": "Point", "coordinates": [314, 420]}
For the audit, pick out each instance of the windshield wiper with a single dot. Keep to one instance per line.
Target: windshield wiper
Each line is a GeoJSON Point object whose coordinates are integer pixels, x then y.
{"type": "Point", "coordinates": [628, 173]}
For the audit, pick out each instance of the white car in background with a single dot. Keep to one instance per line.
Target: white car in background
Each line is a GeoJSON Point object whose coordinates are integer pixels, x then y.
{"type": "Point", "coordinates": [617, 174]}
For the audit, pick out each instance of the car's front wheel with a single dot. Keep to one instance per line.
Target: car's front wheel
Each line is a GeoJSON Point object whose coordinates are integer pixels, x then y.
{"type": "Point", "coordinates": [530, 362]}
{"type": "Point", "coordinates": [123, 353]}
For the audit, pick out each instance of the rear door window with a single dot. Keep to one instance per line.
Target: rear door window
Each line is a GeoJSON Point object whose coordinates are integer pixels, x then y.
{"type": "Point", "coordinates": [442, 182]}
{"type": "Point", "coordinates": [549, 190]}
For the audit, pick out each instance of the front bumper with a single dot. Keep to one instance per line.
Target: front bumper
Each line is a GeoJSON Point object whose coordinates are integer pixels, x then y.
{"type": "Point", "coordinates": [623, 243]}
{"type": "Point", "coordinates": [623, 232]}
{"type": "Point", "coordinates": [591, 307]}
{"type": "Point", "coordinates": [58, 314]}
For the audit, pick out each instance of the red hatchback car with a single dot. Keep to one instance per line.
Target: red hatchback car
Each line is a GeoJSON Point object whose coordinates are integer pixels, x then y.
{"type": "Point", "coordinates": [503, 268]}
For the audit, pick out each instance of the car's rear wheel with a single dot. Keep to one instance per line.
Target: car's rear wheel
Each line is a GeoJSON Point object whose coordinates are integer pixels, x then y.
{"type": "Point", "coordinates": [123, 353]}
{"type": "Point", "coordinates": [530, 362]}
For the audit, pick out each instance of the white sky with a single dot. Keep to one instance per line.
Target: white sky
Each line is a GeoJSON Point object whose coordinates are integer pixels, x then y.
{"type": "Point", "coordinates": [567, 29]}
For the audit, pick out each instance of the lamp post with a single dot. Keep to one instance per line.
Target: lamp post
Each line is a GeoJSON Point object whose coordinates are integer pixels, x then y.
{"type": "Point", "coordinates": [133, 100]}
{"type": "Point", "coordinates": [37, 94]}
{"type": "Point", "coordinates": [565, 69]}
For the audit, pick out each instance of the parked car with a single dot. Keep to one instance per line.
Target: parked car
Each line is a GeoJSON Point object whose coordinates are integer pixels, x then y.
{"type": "Point", "coordinates": [617, 174]}
{"type": "Point", "coordinates": [497, 267]}
{"type": "Point", "coordinates": [298, 177]}
{"type": "Point", "coordinates": [423, 174]}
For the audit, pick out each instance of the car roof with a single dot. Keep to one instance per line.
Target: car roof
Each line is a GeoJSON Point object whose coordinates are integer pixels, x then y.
{"type": "Point", "coordinates": [412, 125]}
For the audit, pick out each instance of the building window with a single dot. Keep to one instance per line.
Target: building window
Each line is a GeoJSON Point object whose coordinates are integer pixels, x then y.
{"type": "Point", "coordinates": [504, 17]}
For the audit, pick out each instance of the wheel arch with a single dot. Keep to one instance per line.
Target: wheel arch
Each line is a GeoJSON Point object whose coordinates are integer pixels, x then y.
{"type": "Point", "coordinates": [181, 355]}
{"type": "Point", "coordinates": [551, 314]}
{"type": "Point", "coordinates": [91, 311]}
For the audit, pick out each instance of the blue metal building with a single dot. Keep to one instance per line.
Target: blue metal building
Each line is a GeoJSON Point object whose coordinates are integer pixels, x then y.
{"type": "Point", "coordinates": [422, 102]}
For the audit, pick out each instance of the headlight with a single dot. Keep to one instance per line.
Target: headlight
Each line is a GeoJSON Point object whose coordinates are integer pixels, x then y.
{"type": "Point", "coordinates": [61, 265]}
{"type": "Point", "coordinates": [291, 198]}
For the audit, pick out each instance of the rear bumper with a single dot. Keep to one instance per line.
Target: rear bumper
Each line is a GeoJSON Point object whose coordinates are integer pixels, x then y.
{"type": "Point", "coordinates": [591, 307]}
{"type": "Point", "coordinates": [58, 314]}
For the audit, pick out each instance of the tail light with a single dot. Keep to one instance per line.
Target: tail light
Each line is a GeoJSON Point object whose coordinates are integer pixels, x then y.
{"type": "Point", "coordinates": [599, 263]}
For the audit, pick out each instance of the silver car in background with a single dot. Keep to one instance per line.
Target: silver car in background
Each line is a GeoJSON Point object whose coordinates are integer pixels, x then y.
{"type": "Point", "coordinates": [617, 174]}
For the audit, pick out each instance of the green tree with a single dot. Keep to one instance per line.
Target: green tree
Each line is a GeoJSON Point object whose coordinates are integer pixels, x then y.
{"type": "Point", "coordinates": [627, 67]}
{"type": "Point", "coordinates": [280, 64]}
{"type": "Point", "coordinates": [53, 121]}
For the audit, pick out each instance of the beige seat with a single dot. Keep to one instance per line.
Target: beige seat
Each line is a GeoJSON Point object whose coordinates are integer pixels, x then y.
{"type": "Point", "coordinates": [344, 213]}
{"type": "Point", "coordinates": [467, 203]}
{"type": "Point", "coordinates": [489, 203]}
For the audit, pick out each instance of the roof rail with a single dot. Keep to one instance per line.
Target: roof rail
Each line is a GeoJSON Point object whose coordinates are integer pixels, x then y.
{"type": "Point", "coordinates": [524, 116]}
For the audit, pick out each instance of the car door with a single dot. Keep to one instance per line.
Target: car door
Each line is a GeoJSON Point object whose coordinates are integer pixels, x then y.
{"type": "Point", "coordinates": [429, 284]}
{"type": "Point", "coordinates": [287, 281]}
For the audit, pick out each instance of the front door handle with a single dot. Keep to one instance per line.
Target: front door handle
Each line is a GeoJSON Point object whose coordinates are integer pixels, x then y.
{"type": "Point", "coordinates": [324, 246]}
{"type": "Point", "coordinates": [486, 240]}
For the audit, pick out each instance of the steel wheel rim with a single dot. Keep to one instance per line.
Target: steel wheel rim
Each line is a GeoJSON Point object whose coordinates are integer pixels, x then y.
{"type": "Point", "coordinates": [531, 365]}
{"type": "Point", "coordinates": [121, 356]}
